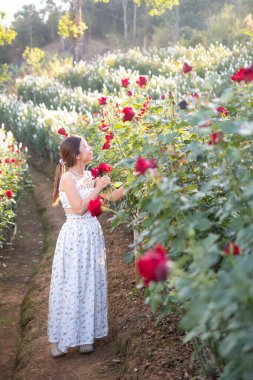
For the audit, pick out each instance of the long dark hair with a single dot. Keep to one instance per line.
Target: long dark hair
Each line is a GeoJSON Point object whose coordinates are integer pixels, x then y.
{"type": "Point", "coordinates": [69, 149]}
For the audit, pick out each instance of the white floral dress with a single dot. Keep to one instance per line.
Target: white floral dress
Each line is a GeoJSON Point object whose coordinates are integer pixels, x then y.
{"type": "Point", "coordinates": [78, 290]}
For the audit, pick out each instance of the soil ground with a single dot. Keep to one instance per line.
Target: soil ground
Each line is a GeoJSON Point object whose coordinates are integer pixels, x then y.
{"type": "Point", "coordinates": [136, 348]}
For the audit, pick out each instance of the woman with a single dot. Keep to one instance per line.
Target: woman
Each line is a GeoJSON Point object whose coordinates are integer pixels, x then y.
{"type": "Point", "coordinates": [78, 290]}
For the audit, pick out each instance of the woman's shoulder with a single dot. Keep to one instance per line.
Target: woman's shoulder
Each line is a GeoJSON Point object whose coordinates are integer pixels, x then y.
{"type": "Point", "coordinates": [67, 178]}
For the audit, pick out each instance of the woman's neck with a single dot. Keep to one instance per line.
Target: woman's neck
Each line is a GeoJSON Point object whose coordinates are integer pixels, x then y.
{"type": "Point", "coordinates": [77, 169]}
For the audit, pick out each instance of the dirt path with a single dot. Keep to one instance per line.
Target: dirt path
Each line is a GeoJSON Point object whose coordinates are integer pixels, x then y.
{"type": "Point", "coordinates": [136, 347]}
{"type": "Point", "coordinates": [18, 259]}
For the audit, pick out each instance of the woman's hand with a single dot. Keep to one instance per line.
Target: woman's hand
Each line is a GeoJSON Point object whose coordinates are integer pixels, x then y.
{"type": "Point", "coordinates": [102, 182]}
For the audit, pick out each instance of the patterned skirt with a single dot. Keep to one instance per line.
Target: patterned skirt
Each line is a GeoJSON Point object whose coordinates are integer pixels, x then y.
{"type": "Point", "coordinates": [78, 289]}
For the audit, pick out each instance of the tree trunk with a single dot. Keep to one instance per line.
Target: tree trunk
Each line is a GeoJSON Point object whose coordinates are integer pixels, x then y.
{"type": "Point", "coordinates": [77, 42]}
{"type": "Point", "coordinates": [176, 24]}
{"type": "Point", "coordinates": [30, 31]}
{"type": "Point", "coordinates": [124, 4]}
{"type": "Point", "coordinates": [134, 22]}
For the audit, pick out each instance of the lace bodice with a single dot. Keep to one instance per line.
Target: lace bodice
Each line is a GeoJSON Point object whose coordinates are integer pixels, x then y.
{"type": "Point", "coordinates": [85, 186]}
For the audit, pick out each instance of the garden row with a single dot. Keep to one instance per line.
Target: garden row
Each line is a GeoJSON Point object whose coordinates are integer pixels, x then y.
{"type": "Point", "coordinates": [13, 177]}
{"type": "Point", "coordinates": [187, 170]}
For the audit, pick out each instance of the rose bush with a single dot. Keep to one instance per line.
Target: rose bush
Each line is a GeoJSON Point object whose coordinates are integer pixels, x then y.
{"type": "Point", "coordinates": [186, 164]}
{"type": "Point", "coordinates": [13, 178]}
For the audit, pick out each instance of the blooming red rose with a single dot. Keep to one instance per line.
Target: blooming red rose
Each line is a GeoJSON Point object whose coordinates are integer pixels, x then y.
{"type": "Point", "coordinates": [186, 68]}
{"type": "Point", "coordinates": [128, 113]}
{"type": "Point", "coordinates": [142, 81]}
{"type": "Point", "coordinates": [109, 136]}
{"type": "Point", "coordinates": [232, 249]}
{"type": "Point", "coordinates": [104, 168]}
{"type": "Point", "coordinates": [13, 160]}
{"type": "Point", "coordinates": [154, 265]}
{"type": "Point", "coordinates": [102, 100]}
{"type": "Point", "coordinates": [243, 74]}
{"type": "Point", "coordinates": [129, 93]}
{"type": "Point", "coordinates": [17, 151]}
{"type": "Point", "coordinates": [1, 171]}
{"type": "Point", "coordinates": [95, 172]}
{"type": "Point", "coordinates": [143, 164]}
{"type": "Point", "coordinates": [206, 124]}
{"type": "Point", "coordinates": [106, 146]}
{"type": "Point", "coordinates": [104, 127]}
{"type": "Point", "coordinates": [162, 97]}
{"type": "Point", "coordinates": [9, 193]}
{"type": "Point", "coordinates": [125, 82]}
{"type": "Point", "coordinates": [7, 160]}
{"type": "Point", "coordinates": [216, 138]}
{"type": "Point", "coordinates": [63, 132]}
{"type": "Point", "coordinates": [95, 206]}
{"type": "Point", "coordinates": [222, 111]}
{"type": "Point", "coordinates": [195, 95]}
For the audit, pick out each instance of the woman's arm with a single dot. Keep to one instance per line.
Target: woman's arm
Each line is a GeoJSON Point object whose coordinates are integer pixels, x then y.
{"type": "Point", "coordinates": [79, 205]}
{"type": "Point", "coordinates": [115, 195]}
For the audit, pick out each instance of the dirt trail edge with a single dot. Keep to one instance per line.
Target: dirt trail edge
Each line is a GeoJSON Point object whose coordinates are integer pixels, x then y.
{"type": "Point", "coordinates": [136, 346]}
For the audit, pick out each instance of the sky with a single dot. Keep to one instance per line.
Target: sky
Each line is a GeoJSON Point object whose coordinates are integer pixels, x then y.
{"type": "Point", "coordinates": [9, 7]}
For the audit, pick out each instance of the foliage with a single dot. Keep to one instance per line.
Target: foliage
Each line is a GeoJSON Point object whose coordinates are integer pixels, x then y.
{"type": "Point", "coordinates": [7, 35]}
{"type": "Point", "coordinates": [34, 58]}
{"type": "Point", "coordinates": [67, 28]}
{"type": "Point", "coordinates": [13, 176]}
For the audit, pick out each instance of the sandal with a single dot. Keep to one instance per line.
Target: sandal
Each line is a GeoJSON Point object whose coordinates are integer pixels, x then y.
{"type": "Point", "coordinates": [86, 348]}
{"type": "Point", "coordinates": [55, 352]}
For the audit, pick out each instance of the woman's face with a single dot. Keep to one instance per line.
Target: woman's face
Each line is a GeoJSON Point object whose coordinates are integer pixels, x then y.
{"type": "Point", "coordinates": [86, 154]}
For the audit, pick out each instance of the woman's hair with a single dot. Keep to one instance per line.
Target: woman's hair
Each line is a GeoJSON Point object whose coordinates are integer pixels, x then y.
{"type": "Point", "coordinates": [69, 149]}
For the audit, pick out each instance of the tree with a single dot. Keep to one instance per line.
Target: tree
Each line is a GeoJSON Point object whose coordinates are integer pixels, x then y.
{"type": "Point", "coordinates": [157, 7]}
{"type": "Point", "coordinates": [7, 35]}
{"type": "Point", "coordinates": [71, 26]}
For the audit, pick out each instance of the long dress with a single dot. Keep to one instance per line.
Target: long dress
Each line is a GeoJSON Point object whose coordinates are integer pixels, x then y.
{"type": "Point", "coordinates": [78, 289]}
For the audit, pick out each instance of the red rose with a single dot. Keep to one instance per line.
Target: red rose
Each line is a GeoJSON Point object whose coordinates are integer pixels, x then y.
{"type": "Point", "coordinates": [7, 160]}
{"type": "Point", "coordinates": [95, 172]}
{"type": "Point", "coordinates": [95, 206]}
{"type": "Point", "coordinates": [142, 81]}
{"type": "Point", "coordinates": [106, 146]}
{"type": "Point", "coordinates": [125, 82]}
{"type": "Point", "coordinates": [186, 68]}
{"type": "Point", "coordinates": [128, 113]}
{"type": "Point", "coordinates": [9, 193]}
{"type": "Point", "coordinates": [195, 95]}
{"type": "Point", "coordinates": [222, 111]}
{"type": "Point", "coordinates": [232, 249]}
{"type": "Point", "coordinates": [216, 138]}
{"type": "Point", "coordinates": [162, 97]}
{"type": "Point", "coordinates": [13, 160]}
{"type": "Point", "coordinates": [154, 265]}
{"type": "Point", "coordinates": [143, 164]}
{"type": "Point", "coordinates": [17, 151]}
{"type": "Point", "coordinates": [1, 161]}
{"type": "Point", "coordinates": [63, 132]}
{"type": "Point", "coordinates": [109, 137]}
{"type": "Point", "coordinates": [104, 127]}
{"type": "Point", "coordinates": [243, 74]}
{"type": "Point", "coordinates": [206, 124]}
{"type": "Point", "coordinates": [102, 101]}
{"type": "Point", "coordinates": [1, 171]}
{"type": "Point", "coordinates": [129, 93]}
{"type": "Point", "coordinates": [104, 168]}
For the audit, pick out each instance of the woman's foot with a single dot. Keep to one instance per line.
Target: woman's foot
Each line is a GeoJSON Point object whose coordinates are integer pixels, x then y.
{"type": "Point", "coordinates": [86, 348]}
{"type": "Point", "coordinates": [55, 352]}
